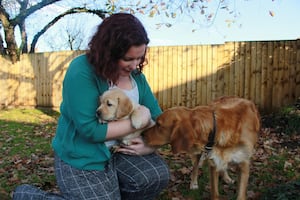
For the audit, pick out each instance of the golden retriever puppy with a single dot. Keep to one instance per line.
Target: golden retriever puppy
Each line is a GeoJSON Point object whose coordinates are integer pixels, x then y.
{"type": "Point", "coordinates": [116, 105]}
{"type": "Point", "coordinates": [224, 132]}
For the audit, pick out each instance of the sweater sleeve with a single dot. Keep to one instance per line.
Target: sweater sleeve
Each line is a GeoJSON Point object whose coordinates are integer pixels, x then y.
{"type": "Point", "coordinates": [80, 101]}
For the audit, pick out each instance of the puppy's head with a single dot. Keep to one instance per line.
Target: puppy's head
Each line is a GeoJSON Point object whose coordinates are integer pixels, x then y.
{"type": "Point", "coordinates": [114, 105]}
{"type": "Point", "coordinates": [172, 127]}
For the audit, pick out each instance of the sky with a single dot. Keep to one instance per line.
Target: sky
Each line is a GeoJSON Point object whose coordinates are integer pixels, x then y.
{"type": "Point", "coordinates": [252, 22]}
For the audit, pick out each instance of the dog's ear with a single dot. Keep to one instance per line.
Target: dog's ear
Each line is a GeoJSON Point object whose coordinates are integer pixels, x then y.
{"type": "Point", "coordinates": [124, 108]}
{"type": "Point", "coordinates": [182, 138]}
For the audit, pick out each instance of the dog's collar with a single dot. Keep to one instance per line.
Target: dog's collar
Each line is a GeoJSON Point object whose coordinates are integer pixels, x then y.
{"type": "Point", "coordinates": [212, 134]}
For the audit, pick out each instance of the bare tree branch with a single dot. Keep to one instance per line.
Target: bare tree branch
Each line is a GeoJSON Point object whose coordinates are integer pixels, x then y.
{"type": "Point", "coordinates": [100, 13]}
{"type": "Point", "coordinates": [9, 26]}
{"type": "Point", "coordinates": [26, 12]}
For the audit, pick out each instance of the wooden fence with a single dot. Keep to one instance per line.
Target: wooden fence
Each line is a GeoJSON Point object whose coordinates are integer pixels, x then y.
{"type": "Point", "coordinates": [266, 72]}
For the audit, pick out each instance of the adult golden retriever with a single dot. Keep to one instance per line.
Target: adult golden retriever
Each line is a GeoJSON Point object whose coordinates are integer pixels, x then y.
{"type": "Point", "coordinates": [114, 105]}
{"type": "Point", "coordinates": [224, 132]}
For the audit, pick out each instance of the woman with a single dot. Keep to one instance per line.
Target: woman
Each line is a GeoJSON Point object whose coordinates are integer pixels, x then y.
{"type": "Point", "coordinates": [84, 166]}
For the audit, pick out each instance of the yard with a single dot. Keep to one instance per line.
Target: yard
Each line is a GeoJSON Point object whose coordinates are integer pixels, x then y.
{"type": "Point", "coordinates": [27, 157]}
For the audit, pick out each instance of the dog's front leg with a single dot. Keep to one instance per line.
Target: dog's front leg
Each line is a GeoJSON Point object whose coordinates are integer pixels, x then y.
{"type": "Point", "coordinates": [243, 180]}
{"type": "Point", "coordinates": [214, 182]}
{"type": "Point", "coordinates": [194, 174]}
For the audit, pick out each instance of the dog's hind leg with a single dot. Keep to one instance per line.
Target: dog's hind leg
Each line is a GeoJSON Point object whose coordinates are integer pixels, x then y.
{"type": "Point", "coordinates": [226, 177]}
{"type": "Point", "coordinates": [243, 180]}
{"type": "Point", "coordinates": [194, 174]}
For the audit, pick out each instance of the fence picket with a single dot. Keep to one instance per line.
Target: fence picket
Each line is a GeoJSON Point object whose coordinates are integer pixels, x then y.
{"type": "Point", "coordinates": [266, 72]}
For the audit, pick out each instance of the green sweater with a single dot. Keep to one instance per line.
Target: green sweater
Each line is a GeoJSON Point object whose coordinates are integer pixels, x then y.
{"type": "Point", "coordinates": [79, 139]}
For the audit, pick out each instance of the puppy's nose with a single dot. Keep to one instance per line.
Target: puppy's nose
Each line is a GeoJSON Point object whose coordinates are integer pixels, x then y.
{"type": "Point", "coordinates": [98, 113]}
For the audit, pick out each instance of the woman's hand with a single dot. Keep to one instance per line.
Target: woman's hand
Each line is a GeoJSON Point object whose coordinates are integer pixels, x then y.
{"type": "Point", "coordinates": [138, 147]}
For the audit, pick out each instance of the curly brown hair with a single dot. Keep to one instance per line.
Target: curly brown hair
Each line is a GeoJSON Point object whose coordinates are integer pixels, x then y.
{"type": "Point", "coordinates": [114, 36]}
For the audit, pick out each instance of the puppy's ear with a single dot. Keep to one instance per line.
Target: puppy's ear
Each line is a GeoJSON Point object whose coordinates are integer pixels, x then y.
{"type": "Point", "coordinates": [182, 138]}
{"type": "Point", "coordinates": [124, 108]}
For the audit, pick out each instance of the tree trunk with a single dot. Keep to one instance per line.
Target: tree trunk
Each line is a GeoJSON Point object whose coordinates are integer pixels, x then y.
{"type": "Point", "coordinates": [12, 48]}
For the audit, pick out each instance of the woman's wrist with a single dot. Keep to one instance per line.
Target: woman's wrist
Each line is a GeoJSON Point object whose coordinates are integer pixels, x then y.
{"type": "Point", "coordinates": [119, 129]}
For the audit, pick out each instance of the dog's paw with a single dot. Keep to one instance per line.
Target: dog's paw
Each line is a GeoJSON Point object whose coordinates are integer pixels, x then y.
{"type": "Point", "coordinates": [194, 186]}
{"type": "Point", "coordinates": [226, 178]}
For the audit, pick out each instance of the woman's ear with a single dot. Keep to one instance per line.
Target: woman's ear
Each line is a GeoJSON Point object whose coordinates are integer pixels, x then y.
{"type": "Point", "coordinates": [182, 138]}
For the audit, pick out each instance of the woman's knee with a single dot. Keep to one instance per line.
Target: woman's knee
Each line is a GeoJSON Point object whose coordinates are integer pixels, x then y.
{"type": "Point", "coordinates": [144, 186]}
{"type": "Point", "coordinates": [151, 174]}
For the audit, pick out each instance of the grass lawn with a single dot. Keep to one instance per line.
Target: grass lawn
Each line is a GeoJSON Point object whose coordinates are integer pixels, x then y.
{"type": "Point", "coordinates": [26, 157]}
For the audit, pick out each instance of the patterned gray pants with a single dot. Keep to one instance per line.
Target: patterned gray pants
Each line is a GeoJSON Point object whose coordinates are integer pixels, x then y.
{"type": "Point", "coordinates": [125, 177]}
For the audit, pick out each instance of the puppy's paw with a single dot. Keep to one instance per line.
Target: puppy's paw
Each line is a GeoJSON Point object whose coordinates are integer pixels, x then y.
{"type": "Point", "coordinates": [136, 122]}
{"type": "Point", "coordinates": [140, 117]}
{"type": "Point", "coordinates": [126, 142]}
